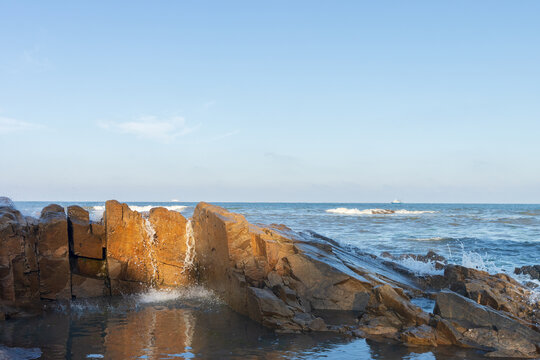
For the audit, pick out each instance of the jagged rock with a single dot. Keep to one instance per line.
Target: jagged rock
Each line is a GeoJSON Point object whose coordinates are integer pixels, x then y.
{"type": "Point", "coordinates": [304, 270]}
{"type": "Point", "coordinates": [86, 238]}
{"type": "Point", "coordinates": [498, 291]}
{"type": "Point", "coordinates": [532, 270]}
{"type": "Point", "coordinates": [19, 281]}
{"type": "Point", "coordinates": [422, 335]}
{"type": "Point", "coordinates": [470, 324]}
{"type": "Point", "coordinates": [391, 300]}
{"type": "Point", "coordinates": [144, 251]}
{"type": "Point", "coordinates": [53, 250]}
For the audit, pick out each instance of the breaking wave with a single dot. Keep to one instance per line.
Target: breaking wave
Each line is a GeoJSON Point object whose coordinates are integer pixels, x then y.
{"type": "Point", "coordinates": [347, 211]}
{"type": "Point", "coordinates": [420, 267]}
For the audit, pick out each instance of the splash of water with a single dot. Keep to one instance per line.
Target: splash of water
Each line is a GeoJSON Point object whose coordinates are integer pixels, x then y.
{"type": "Point", "coordinates": [476, 261]}
{"type": "Point", "coordinates": [189, 258]}
{"type": "Point", "coordinates": [149, 246]}
{"type": "Point", "coordinates": [420, 267]}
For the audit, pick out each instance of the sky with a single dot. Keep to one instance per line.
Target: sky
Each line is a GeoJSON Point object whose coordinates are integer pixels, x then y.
{"type": "Point", "coordinates": [288, 101]}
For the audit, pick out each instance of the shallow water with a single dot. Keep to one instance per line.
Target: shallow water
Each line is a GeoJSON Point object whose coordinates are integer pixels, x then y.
{"type": "Point", "coordinates": [193, 324]}
{"type": "Point", "coordinates": [162, 325]}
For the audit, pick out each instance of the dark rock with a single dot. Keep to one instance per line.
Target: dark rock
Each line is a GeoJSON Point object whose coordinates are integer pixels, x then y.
{"type": "Point", "coordinates": [532, 270]}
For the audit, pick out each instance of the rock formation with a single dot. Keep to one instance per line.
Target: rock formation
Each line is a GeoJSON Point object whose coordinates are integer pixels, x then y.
{"type": "Point", "coordinates": [285, 280]}
{"type": "Point", "coordinates": [144, 250]}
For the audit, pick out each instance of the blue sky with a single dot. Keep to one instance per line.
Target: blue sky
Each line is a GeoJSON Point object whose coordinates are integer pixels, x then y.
{"type": "Point", "coordinates": [343, 101]}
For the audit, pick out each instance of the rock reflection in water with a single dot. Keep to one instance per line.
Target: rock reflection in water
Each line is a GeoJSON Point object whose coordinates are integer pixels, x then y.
{"type": "Point", "coordinates": [186, 328]}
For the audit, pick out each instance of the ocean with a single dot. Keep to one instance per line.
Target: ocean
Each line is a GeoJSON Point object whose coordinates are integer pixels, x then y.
{"type": "Point", "coordinates": [192, 323]}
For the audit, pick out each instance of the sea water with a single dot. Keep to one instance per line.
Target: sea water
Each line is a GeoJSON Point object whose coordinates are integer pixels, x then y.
{"type": "Point", "coordinates": [192, 323]}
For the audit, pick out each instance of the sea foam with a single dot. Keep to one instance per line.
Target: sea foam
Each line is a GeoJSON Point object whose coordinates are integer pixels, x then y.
{"type": "Point", "coordinates": [347, 211]}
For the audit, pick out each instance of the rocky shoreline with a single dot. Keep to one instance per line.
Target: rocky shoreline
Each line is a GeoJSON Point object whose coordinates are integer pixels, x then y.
{"type": "Point", "coordinates": [285, 280]}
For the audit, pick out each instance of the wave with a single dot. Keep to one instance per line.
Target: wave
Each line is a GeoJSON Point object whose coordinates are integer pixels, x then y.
{"type": "Point", "coordinates": [420, 267]}
{"type": "Point", "coordinates": [347, 211]}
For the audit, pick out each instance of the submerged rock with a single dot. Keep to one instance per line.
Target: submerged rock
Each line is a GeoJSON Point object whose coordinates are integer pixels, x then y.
{"type": "Point", "coordinates": [532, 270]}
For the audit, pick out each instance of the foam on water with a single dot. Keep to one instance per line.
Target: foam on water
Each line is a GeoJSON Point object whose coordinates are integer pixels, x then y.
{"type": "Point", "coordinates": [347, 211]}
{"type": "Point", "coordinates": [153, 296]}
{"type": "Point", "coordinates": [435, 238]}
{"type": "Point", "coordinates": [420, 267]}
{"type": "Point", "coordinates": [147, 208]}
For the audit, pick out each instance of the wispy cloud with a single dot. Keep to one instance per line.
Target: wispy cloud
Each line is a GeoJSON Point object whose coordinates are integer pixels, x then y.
{"type": "Point", "coordinates": [34, 59]}
{"type": "Point", "coordinates": [209, 104]}
{"type": "Point", "coordinates": [151, 127]}
{"type": "Point", "coordinates": [9, 125]}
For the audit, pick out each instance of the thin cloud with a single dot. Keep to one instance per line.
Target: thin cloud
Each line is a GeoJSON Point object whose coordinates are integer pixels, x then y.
{"type": "Point", "coordinates": [209, 104]}
{"type": "Point", "coordinates": [9, 125]}
{"type": "Point", "coordinates": [34, 59]}
{"type": "Point", "coordinates": [153, 128]}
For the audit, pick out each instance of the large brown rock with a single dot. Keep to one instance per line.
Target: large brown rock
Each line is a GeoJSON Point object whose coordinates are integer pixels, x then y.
{"type": "Point", "coordinates": [86, 238]}
{"type": "Point", "coordinates": [244, 263]}
{"type": "Point", "coordinates": [170, 246]}
{"type": "Point", "coordinates": [468, 323]}
{"type": "Point", "coordinates": [53, 250]}
{"type": "Point", "coordinates": [19, 280]}
{"type": "Point", "coordinates": [144, 251]}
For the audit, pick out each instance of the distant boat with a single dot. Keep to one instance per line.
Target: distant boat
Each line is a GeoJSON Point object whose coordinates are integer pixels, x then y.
{"type": "Point", "coordinates": [396, 201]}
{"type": "Point", "coordinates": [174, 200]}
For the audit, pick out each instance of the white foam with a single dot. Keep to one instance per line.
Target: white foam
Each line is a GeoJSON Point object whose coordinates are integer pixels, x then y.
{"type": "Point", "coordinates": [420, 267]}
{"type": "Point", "coordinates": [436, 238]}
{"type": "Point", "coordinates": [147, 208]}
{"type": "Point", "coordinates": [189, 258]}
{"type": "Point", "coordinates": [475, 260]}
{"type": "Point", "coordinates": [187, 293]}
{"type": "Point", "coordinates": [347, 211]}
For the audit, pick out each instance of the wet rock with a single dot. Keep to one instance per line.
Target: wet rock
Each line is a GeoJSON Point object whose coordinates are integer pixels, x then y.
{"type": "Point", "coordinates": [53, 250]}
{"type": "Point", "coordinates": [170, 247]}
{"type": "Point", "coordinates": [90, 268]}
{"type": "Point", "coordinates": [408, 313]}
{"type": "Point", "coordinates": [86, 287]}
{"type": "Point", "coordinates": [86, 238]}
{"type": "Point", "coordinates": [532, 270]}
{"type": "Point", "coordinates": [467, 323]}
{"type": "Point", "coordinates": [303, 271]}
{"type": "Point", "coordinates": [144, 250]}
{"type": "Point", "coordinates": [422, 335]}
{"type": "Point", "coordinates": [498, 291]}
{"type": "Point", "coordinates": [19, 281]}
